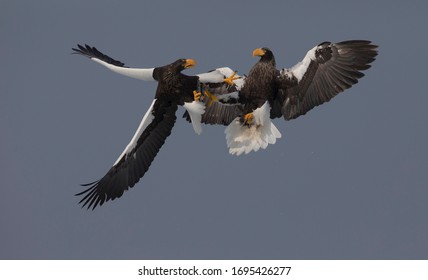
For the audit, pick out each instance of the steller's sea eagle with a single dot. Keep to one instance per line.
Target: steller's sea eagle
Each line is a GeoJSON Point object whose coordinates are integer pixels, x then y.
{"type": "Point", "coordinates": [268, 93]}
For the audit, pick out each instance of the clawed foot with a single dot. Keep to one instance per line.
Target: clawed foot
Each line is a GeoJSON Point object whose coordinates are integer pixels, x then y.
{"type": "Point", "coordinates": [197, 95]}
{"type": "Point", "coordinates": [230, 80]}
{"type": "Point", "coordinates": [211, 97]}
{"type": "Point", "coordinates": [248, 119]}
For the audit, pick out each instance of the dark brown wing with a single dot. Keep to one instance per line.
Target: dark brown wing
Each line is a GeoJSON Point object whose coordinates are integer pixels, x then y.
{"type": "Point", "coordinates": [326, 70]}
{"type": "Point", "coordinates": [92, 52]}
{"type": "Point", "coordinates": [223, 111]}
{"type": "Point", "coordinates": [137, 157]}
{"type": "Point", "coordinates": [220, 113]}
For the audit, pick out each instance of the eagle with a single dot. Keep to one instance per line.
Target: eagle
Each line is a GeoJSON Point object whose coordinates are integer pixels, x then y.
{"type": "Point", "coordinates": [174, 89]}
{"type": "Point", "coordinates": [267, 93]}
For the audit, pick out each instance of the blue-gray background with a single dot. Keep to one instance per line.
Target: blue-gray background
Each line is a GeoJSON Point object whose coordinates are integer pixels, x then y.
{"type": "Point", "coordinates": [347, 181]}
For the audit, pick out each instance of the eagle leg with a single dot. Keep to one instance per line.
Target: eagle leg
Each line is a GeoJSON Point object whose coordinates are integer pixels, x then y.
{"type": "Point", "coordinates": [248, 119]}
{"type": "Point", "coordinates": [197, 95]}
{"type": "Point", "coordinates": [230, 80]}
{"type": "Point", "coordinates": [211, 97]}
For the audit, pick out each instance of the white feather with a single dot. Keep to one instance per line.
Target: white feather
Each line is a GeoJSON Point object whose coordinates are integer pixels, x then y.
{"type": "Point", "coordinates": [300, 68]}
{"type": "Point", "coordinates": [218, 75]}
{"type": "Point", "coordinates": [244, 139]}
{"type": "Point", "coordinates": [227, 72]}
{"type": "Point", "coordinates": [239, 83]}
{"type": "Point", "coordinates": [211, 77]}
{"type": "Point", "coordinates": [215, 76]}
{"type": "Point", "coordinates": [227, 96]}
{"type": "Point", "coordinates": [136, 73]}
{"type": "Point", "coordinates": [195, 109]}
{"type": "Point", "coordinates": [147, 119]}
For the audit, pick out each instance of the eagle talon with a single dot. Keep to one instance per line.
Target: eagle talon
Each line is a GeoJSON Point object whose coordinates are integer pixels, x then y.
{"type": "Point", "coordinates": [211, 97]}
{"type": "Point", "coordinates": [248, 119]}
{"type": "Point", "coordinates": [230, 80]}
{"type": "Point", "coordinates": [197, 95]}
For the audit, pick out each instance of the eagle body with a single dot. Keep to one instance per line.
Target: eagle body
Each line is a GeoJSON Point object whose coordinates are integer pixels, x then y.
{"type": "Point", "coordinates": [260, 86]}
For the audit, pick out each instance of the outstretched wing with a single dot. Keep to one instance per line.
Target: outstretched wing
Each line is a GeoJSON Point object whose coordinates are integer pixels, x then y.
{"type": "Point", "coordinates": [325, 71]}
{"type": "Point", "coordinates": [135, 160]}
{"type": "Point", "coordinates": [114, 65]}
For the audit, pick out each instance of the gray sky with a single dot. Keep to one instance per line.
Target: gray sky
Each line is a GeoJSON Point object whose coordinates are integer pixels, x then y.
{"type": "Point", "coordinates": [347, 181]}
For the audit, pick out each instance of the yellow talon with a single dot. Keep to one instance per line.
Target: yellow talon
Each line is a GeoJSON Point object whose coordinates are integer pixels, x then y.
{"type": "Point", "coordinates": [230, 80]}
{"type": "Point", "coordinates": [249, 118]}
{"type": "Point", "coordinates": [197, 95]}
{"type": "Point", "coordinates": [211, 98]}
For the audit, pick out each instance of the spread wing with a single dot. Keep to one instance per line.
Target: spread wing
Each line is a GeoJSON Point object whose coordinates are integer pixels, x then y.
{"type": "Point", "coordinates": [325, 71]}
{"type": "Point", "coordinates": [145, 74]}
{"type": "Point", "coordinates": [135, 160]}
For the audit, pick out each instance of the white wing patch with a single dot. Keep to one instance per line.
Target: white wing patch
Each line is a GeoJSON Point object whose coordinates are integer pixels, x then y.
{"type": "Point", "coordinates": [226, 97]}
{"type": "Point", "coordinates": [215, 76]}
{"type": "Point", "coordinates": [300, 68]}
{"type": "Point", "coordinates": [211, 77]}
{"type": "Point", "coordinates": [218, 75]}
{"type": "Point", "coordinates": [147, 119]}
{"type": "Point", "coordinates": [136, 73]}
{"type": "Point", "coordinates": [195, 109]}
{"type": "Point", "coordinates": [244, 139]}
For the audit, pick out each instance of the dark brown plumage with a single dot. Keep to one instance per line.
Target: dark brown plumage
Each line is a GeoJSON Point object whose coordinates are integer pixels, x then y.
{"type": "Point", "coordinates": [261, 83]}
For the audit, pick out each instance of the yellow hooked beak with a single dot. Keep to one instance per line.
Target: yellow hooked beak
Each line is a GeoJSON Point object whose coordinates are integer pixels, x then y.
{"type": "Point", "coordinates": [189, 63]}
{"type": "Point", "coordinates": [258, 52]}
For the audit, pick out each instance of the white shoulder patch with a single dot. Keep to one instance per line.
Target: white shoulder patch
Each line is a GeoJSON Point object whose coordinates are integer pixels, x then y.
{"type": "Point", "coordinates": [147, 119]}
{"type": "Point", "coordinates": [211, 77]}
{"type": "Point", "coordinates": [244, 139]}
{"type": "Point", "coordinates": [195, 109]}
{"type": "Point", "coordinates": [226, 97]}
{"type": "Point", "coordinates": [300, 68]}
{"type": "Point", "coordinates": [218, 75]}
